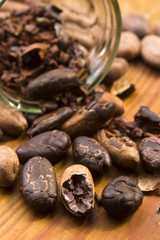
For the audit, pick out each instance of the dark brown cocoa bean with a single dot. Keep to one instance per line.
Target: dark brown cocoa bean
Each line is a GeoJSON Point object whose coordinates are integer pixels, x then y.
{"type": "Point", "coordinates": [50, 121]}
{"type": "Point", "coordinates": [89, 152]}
{"type": "Point", "coordinates": [137, 24]}
{"type": "Point", "coordinates": [31, 117]}
{"type": "Point", "coordinates": [77, 190]}
{"type": "Point", "coordinates": [12, 121]}
{"type": "Point", "coordinates": [147, 120]}
{"type": "Point", "coordinates": [52, 83]}
{"type": "Point", "coordinates": [9, 166]}
{"type": "Point", "coordinates": [149, 149]}
{"type": "Point", "coordinates": [121, 197]}
{"type": "Point", "coordinates": [38, 184]}
{"type": "Point", "coordinates": [123, 150]}
{"type": "Point", "coordinates": [122, 88]}
{"type": "Point", "coordinates": [48, 106]}
{"type": "Point", "coordinates": [129, 46]}
{"type": "Point", "coordinates": [118, 68]}
{"type": "Point", "coordinates": [150, 50]}
{"type": "Point", "coordinates": [89, 119]}
{"type": "Point", "coordinates": [52, 144]}
{"type": "Point", "coordinates": [106, 97]}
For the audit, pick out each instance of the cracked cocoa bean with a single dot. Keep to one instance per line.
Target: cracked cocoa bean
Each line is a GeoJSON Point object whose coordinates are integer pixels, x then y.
{"type": "Point", "coordinates": [52, 144]}
{"type": "Point", "coordinates": [137, 24]}
{"type": "Point", "coordinates": [106, 97]}
{"type": "Point", "coordinates": [38, 184]}
{"type": "Point", "coordinates": [89, 152]}
{"type": "Point", "coordinates": [149, 149]}
{"type": "Point", "coordinates": [89, 119]}
{"type": "Point", "coordinates": [129, 46]}
{"type": "Point", "coordinates": [52, 83]}
{"type": "Point", "coordinates": [12, 121]}
{"type": "Point", "coordinates": [50, 121]}
{"type": "Point", "coordinates": [123, 150]}
{"type": "Point", "coordinates": [77, 190]}
{"type": "Point", "coordinates": [121, 197]}
{"type": "Point", "coordinates": [9, 166]}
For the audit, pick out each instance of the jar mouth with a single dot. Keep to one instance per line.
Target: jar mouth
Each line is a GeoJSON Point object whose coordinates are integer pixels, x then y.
{"type": "Point", "coordinates": [101, 53]}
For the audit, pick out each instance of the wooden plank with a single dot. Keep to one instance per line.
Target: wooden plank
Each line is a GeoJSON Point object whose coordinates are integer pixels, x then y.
{"type": "Point", "coordinates": [18, 221]}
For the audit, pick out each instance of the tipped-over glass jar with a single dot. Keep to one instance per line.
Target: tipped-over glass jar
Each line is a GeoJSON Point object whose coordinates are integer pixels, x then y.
{"type": "Point", "coordinates": [61, 38]}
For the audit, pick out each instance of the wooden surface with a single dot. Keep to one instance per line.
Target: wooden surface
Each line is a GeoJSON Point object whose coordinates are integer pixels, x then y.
{"type": "Point", "coordinates": [18, 221]}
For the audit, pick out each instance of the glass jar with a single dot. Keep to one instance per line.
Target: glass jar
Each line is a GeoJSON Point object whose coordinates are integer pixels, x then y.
{"type": "Point", "coordinates": [96, 26]}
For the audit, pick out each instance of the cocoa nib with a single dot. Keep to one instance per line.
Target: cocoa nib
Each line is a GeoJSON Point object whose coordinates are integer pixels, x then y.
{"type": "Point", "coordinates": [52, 144]}
{"type": "Point", "coordinates": [89, 152]}
{"type": "Point", "coordinates": [121, 197]}
{"type": "Point", "coordinates": [77, 190]}
{"type": "Point", "coordinates": [149, 149]}
{"type": "Point", "coordinates": [50, 121]}
{"type": "Point", "coordinates": [89, 119]}
{"type": "Point", "coordinates": [38, 184]}
{"type": "Point", "coordinates": [52, 83]}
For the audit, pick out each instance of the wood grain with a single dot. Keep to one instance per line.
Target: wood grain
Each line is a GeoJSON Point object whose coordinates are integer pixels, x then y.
{"type": "Point", "coordinates": [19, 222]}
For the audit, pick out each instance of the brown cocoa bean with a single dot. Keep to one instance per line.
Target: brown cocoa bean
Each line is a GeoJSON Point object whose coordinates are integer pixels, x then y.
{"type": "Point", "coordinates": [106, 97]}
{"type": "Point", "coordinates": [121, 197]}
{"type": "Point", "coordinates": [129, 46]}
{"type": "Point", "coordinates": [123, 150]}
{"type": "Point", "coordinates": [12, 121]}
{"type": "Point", "coordinates": [50, 121]}
{"type": "Point", "coordinates": [52, 144]}
{"type": "Point", "coordinates": [48, 106]}
{"type": "Point", "coordinates": [157, 28]}
{"type": "Point", "coordinates": [89, 119]}
{"type": "Point", "coordinates": [1, 133]}
{"type": "Point", "coordinates": [90, 153]}
{"type": "Point", "coordinates": [38, 184]}
{"type": "Point", "coordinates": [77, 190]}
{"type": "Point", "coordinates": [9, 166]}
{"type": "Point", "coordinates": [150, 50]}
{"type": "Point", "coordinates": [137, 24]}
{"type": "Point", "coordinates": [52, 83]}
{"type": "Point", "coordinates": [118, 68]}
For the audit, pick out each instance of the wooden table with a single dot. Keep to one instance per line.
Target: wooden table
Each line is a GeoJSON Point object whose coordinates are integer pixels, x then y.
{"type": "Point", "coordinates": [18, 221]}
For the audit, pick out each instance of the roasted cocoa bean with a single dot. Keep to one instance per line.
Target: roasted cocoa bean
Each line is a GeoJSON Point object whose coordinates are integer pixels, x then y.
{"type": "Point", "coordinates": [89, 119]}
{"type": "Point", "coordinates": [89, 152]}
{"type": "Point", "coordinates": [122, 88]}
{"type": "Point", "coordinates": [12, 121]}
{"type": "Point", "coordinates": [77, 190]}
{"type": "Point", "coordinates": [106, 97]}
{"type": "Point", "coordinates": [121, 197]}
{"type": "Point", "coordinates": [118, 68]}
{"type": "Point", "coordinates": [149, 149]}
{"type": "Point", "coordinates": [9, 166]}
{"type": "Point", "coordinates": [48, 106]}
{"type": "Point", "coordinates": [123, 150]}
{"type": "Point", "coordinates": [137, 24]}
{"type": "Point", "coordinates": [38, 184]}
{"type": "Point", "coordinates": [1, 133]}
{"type": "Point", "coordinates": [129, 46]}
{"type": "Point", "coordinates": [50, 121]}
{"type": "Point", "coordinates": [150, 50]}
{"type": "Point", "coordinates": [52, 144]}
{"type": "Point", "coordinates": [52, 83]}
{"type": "Point", "coordinates": [31, 117]}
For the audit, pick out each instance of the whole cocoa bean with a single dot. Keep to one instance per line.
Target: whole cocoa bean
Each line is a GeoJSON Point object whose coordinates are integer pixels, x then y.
{"type": "Point", "coordinates": [50, 121]}
{"type": "Point", "coordinates": [149, 149]}
{"type": "Point", "coordinates": [9, 166]}
{"type": "Point", "coordinates": [89, 119]}
{"type": "Point", "coordinates": [52, 144]}
{"type": "Point", "coordinates": [118, 68]}
{"type": "Point", "coordinates": [150, 50]}
{"type": "Point", "coordinates": [89, 152]}
{"type": "Point", "coordinates": [52, 83]}
{"type": "Point", "coordinates": [123, 150]}
{"type": "Point", "coordinates": [106, 97]}
{"type": "Point", "coordinates": [48, 106]}
{"type": "Point", "coordinates": [77, 190]}
{"type": "Point", "coordinates": [137, 24]}
{"type": "Point", "coordinates": [121, 197]}
{"type": "Point", "coordinates": [12, 121]}
{"type": "Point", "coordinates": [129, 46]}
{"type": "Point", "coordinates": [38, 184]}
